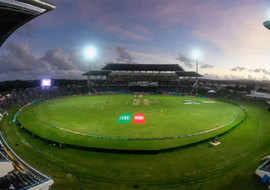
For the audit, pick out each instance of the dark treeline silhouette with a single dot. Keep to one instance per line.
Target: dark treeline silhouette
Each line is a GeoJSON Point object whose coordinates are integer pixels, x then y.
{"type": "Point", "coordinates": [19, 84]}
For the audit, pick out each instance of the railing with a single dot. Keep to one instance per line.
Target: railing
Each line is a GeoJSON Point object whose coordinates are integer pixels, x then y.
{"type": "Point", "coordinates": [46, 179]}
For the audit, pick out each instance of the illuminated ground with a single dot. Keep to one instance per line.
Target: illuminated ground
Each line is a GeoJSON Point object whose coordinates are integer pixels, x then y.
{"type": "Point", "coordinates": [230, 165]}
{"type": "Point", "coordinates": [84, 120]}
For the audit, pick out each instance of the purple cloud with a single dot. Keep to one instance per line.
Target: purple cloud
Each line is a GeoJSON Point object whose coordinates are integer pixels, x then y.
{"type": "Point", "coordinates": [187, 62]}
{"type": "Point", "coordinates": [123, 55]}
{"type": "Point", "coordinates": [207, 66]}
{"type": "Point", "coordinates": [238, 69]}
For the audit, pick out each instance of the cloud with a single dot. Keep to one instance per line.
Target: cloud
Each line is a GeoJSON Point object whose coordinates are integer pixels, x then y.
{"type": "Point", "coordinates": [17, 57]}
{"type": "Point", "coordinates": [211, 76]}
{"type": "Point", "coordinates": [127, 34]}
{"type": "Point", "coordinates": [123, 55]}
{"type": "Point", "coordinates": [266, 72]}
{"type": "Point", "coordinates": [206, 66]}
{"type": "Point", "coordinates": [256, 70]}
{"type": "Point", "coordinates": [17, 62]}
{"type": "Point", "coordinates": [260, 70]}
{"type": "Point", "coordinates": [238, 69]}
{"type": "Point", "coordinates": [185, 60]}
{"type": "Point", "coordinates": [57, 60]}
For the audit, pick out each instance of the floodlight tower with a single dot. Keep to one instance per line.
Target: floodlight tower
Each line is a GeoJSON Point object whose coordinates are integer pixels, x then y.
{"type": "Point", "coordinates": [90, 53]}
{"type": "Point", "coordinates": [196, 55]}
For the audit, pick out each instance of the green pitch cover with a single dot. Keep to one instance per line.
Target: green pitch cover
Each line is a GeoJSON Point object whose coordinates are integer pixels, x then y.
{"type": "Point", "coordinates": [124, 118]}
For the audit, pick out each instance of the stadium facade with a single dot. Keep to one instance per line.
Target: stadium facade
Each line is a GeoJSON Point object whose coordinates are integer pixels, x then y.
{"type": "Point", "coordinates": [15, 173]}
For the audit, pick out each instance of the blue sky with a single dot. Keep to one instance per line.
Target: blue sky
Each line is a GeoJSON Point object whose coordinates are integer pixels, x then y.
{"type": "Point", "coordinates": [230, 35]}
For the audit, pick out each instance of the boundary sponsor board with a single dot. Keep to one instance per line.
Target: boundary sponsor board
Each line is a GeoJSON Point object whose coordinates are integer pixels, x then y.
{"type": "Point", "coordinates": [124, 118]}
{"type": "Point", "coordinates": [138, 118]}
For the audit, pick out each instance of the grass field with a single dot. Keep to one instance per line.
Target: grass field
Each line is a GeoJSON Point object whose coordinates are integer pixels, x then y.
{"type": "Point", "coordinates": [165, 116]}
{"type": "Point", "coordinates": [228, 166]}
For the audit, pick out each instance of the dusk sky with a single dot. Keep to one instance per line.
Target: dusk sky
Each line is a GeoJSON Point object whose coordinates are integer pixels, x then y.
{"type": "Point", "coordinates": [230, 35]}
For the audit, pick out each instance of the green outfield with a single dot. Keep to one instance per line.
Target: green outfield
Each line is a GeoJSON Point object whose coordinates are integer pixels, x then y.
{"type": "Point", "coordinates": [230, 165]}
{"type": "Point", "coordinates": [107, 121]}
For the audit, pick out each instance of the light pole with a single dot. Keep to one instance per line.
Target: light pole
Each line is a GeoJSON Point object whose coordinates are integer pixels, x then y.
{"type": "Point", "coordinates": [197, 78]}
{"type": "Point", "coordinates": [196, 55]}
{"type": "Point", "coordinates": [90, 53]}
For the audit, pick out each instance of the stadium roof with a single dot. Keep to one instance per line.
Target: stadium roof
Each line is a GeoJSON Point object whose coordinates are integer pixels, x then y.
{"type": "Point", "coordinates": [97, 72]}
{"type": "Point", "coordinates": [261, 95]}
{"type": "Point", "coordinates": [142, 67]}
{"type": "Point", "coordinates": [188, 74]}
{"type": "Point", "coordinates": [15, 13]}
{"type": "Point", "coordinates": [267, 24]}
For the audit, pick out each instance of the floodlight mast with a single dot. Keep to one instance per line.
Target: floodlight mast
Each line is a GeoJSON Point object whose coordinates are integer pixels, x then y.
{"type": "Point", "coordinates": [90, 53]}
{"type": "Point", "coordinates": [89, 84]}
{"type": "Point", "coordinates": [197, 78]}
{"type": "Point", "coordinates": [196, 55]}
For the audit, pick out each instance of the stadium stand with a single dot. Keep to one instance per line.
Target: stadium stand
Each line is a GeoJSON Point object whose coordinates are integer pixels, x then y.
{"type": "Point", "coordinates": [16, 174]}
{"type": "Point", "coordinates": [156, 78]}
{"type": "Point", "coordinates": [5, 165]}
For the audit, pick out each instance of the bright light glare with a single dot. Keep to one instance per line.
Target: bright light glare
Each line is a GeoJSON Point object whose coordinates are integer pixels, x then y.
{"type": "Point", "coordinates": [46, 82]}
{"type": "Point", "coordinates": [196, 54]}
{"type": "Point", "coordinates": [90, 52]}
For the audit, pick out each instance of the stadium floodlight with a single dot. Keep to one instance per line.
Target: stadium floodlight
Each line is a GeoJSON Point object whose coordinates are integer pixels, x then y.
{"type": "Point", "coordinates": [196, 54]}
{"type": "Point", "coordinates": [90, 52]}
